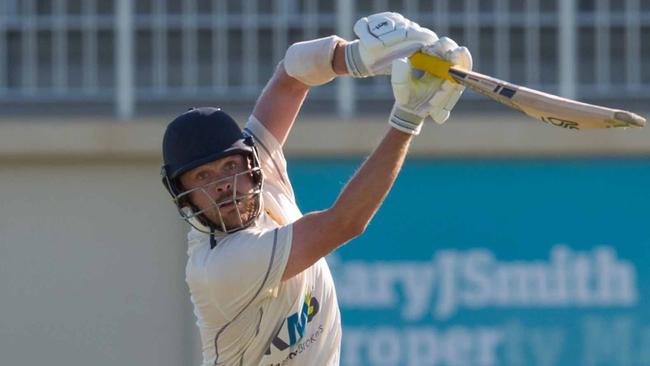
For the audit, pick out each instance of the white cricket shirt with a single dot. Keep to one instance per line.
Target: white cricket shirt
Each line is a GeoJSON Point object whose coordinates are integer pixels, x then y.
{"type": "Point", "coordinates": [245, 313]}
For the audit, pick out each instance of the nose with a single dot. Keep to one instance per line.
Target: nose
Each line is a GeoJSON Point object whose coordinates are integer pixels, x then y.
{"type": "Point", "coordinates": [224, 186]}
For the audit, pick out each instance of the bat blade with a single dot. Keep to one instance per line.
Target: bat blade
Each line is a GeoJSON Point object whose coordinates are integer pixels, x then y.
{"type": "Point", "coordinates": [548, 108]}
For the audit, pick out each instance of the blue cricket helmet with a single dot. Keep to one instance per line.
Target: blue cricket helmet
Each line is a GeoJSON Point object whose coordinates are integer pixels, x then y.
{"type": "Point", "coordinates": [197, 137]}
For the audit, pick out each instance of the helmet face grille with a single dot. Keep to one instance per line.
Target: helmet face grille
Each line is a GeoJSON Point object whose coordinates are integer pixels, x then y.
{"type": "Point", "coordinates": [226, 214]}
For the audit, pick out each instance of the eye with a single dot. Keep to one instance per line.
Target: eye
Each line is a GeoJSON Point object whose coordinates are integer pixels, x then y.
{"type": "Point", "coordinates": [231, 165]}
{"type": "Point", "coordinates": [202, 175]}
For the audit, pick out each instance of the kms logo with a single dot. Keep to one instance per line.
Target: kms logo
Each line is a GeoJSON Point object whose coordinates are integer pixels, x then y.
{"type": "Point", "coordinates": [296, 325]}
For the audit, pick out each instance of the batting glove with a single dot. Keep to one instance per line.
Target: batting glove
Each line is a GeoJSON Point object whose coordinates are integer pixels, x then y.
{"type": "Point", "coordinates": [418, 94]}
{"type": "Point", "coordinates": [444, 101]}
{"type": "Point", "coordinates": [384, 37]}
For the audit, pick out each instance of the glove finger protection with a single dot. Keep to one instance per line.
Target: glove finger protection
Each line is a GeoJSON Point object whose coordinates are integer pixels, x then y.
{"type": "Point", "coordinates": [445, 99]}
{"type": "Point", "coordinates": [384, 37]}
{"type": "Point", "coordinates": [459, 56]}
{"type": "Point", "coordinates": [399, 79]}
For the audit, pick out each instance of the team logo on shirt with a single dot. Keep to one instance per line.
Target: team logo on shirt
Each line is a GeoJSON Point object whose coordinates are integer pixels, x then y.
{"type": "Point", "coordinates": [296, 325]}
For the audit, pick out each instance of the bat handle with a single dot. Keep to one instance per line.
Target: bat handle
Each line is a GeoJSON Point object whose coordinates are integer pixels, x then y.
{"type": "Point", "coordinates": [433, 65]}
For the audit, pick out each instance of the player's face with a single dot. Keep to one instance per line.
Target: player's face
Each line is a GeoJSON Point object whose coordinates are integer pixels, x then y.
{"type": "Point", "coordinates": [222, 189]}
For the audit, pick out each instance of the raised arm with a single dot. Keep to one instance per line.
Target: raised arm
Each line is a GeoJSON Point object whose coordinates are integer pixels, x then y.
{"type": "Point", "coordinates": [318, 233]}
{"type": "Point", "coordinates": [282, 97]}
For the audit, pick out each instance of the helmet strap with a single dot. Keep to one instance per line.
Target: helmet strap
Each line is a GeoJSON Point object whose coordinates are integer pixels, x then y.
{"type": "Point", "coordinates": [213, 240]}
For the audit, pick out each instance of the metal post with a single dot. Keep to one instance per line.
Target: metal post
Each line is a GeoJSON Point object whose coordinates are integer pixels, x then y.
{"type": "Point", "coordinates": [190, 46]}
{"type": "Point", "coordinates": [532, 43]}
{"type": "Point", "coordinates": [502, 38]}
{"type": "Point", "coordinates": [29, 52]}
{"type": "Point", "coordinates": [220, 46]}
{"type": "Point", "coordinates": [411, 10]}
{"type": "Point", "coordinates": [633, 45]}
{"type": "Point", "coordinates": [250, 52]}
{"type": "Point", "coordinates": [4, 19]}
{"type": "Point", "coordinates": [471, 28]}
{"type": "Point", "coordinates": [602, 58]}
{"type": "Point", "coordinates": [124, 94]}
{"type": "Point", "coordinates": [310, 20]}
{"type": "Point", "coordinates": [60, 47]}
{"type": "Point", "coordinates": [441, 17]}
{"type": "Point", "coordinates": [160, 61]}
{"type": "Point", "coordinates": [345, 95]}
{"type": "Point", "coordinates": [567, 42]}
{"type": "Point", "coordinates": [281, 19]}
{"type": "Point", "coordinates": [90, 67]}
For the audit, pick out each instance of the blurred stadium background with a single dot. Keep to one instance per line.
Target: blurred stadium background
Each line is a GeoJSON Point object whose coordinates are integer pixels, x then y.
{"type": "Point", "coordinates": [528, 244]}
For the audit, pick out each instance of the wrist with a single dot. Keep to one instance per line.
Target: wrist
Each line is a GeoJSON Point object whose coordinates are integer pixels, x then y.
{"type": "Point", "coordinates": [353, 60]}
{"type": "Point", "coordinates": [405, 120]}
{"type": "Point", "coordinates": [338, 61]}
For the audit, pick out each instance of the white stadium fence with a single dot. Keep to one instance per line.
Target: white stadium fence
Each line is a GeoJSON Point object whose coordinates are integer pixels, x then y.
{"type": "Point", "coordinates": [126, 51]}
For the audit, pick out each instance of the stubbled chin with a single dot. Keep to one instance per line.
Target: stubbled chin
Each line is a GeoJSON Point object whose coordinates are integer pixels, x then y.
{"type": "Point", "coordinates": [230, 218]}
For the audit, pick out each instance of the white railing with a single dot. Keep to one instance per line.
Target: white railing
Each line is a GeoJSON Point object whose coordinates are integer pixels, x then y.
{"type": "Point", "coordinates": [125, 51]}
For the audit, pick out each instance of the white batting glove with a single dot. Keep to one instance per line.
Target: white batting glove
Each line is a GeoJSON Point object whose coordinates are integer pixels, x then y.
{"type": "Point", "coordinates": [384, 37]}
{"type": "Point", "coordinates": [444, 101]}
{"type": "Point", "coordinates": [426, 95]}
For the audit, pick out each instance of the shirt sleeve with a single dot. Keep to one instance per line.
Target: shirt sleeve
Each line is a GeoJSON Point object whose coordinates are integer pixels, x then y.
{"type": "Point", "coordinates": [271, 155]}
{"type": "Point", "coordinates": [247, 267]}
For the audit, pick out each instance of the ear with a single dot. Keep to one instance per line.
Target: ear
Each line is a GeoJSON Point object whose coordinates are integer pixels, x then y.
{"type": "Point", "coordinates": [179, 185]}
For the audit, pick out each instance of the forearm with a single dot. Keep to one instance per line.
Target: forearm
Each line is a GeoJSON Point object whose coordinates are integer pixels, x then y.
{"type": "Point", "coordinates": [365, 192]}
{"type": "Point", "coordinates": [283, 96]}
{"type": "Point", "coordinates": [318, 233]}
{"type": "Point", "coordinates": [279, 104]}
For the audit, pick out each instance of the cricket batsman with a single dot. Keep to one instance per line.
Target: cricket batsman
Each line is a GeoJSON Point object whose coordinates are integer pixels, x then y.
{"type": "Point", "coordinates": [261, 288]}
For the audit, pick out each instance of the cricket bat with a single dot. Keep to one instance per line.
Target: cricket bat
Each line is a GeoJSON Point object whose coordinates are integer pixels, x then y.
{"type": "Point", "coordinates": [548, 108]}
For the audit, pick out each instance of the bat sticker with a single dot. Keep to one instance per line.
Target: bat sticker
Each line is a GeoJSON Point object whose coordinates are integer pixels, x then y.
{"type": "Point", "coordinates": [561, 123]}
{"type": "Point", "coordinates": [507, 92]}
